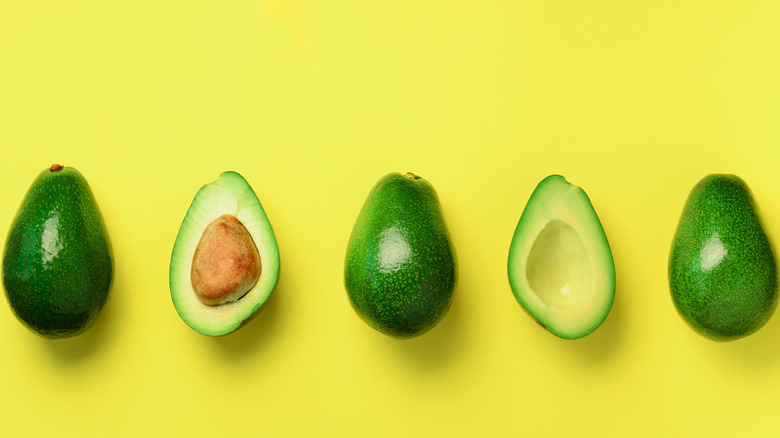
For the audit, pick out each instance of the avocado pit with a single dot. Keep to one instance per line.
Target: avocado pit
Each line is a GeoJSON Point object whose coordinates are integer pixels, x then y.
{"type": "Point", "coordinates": [226, 264]}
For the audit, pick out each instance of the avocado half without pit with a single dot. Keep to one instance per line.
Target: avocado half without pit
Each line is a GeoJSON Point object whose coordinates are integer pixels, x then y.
{"type": "Point", "coordinates": [225, 261]}
{"type": "Point", "coordinates": [560, 263]}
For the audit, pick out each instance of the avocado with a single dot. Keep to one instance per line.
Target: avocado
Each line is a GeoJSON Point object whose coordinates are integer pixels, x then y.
{"type": "Point", "coordinates": [400, 270]}
{"type": "Point", "coordinates": [722, 268]}
{"type": "Point", "coordinates": [560, 264]}
{"type": "Point", "coordinates": [58, 263]}
{"type": "Point", "coordinates": [225, 260]}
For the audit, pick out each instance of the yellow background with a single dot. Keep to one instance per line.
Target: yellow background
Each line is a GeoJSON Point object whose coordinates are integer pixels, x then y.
{"type": "Point", "coordinates": [313, 101]}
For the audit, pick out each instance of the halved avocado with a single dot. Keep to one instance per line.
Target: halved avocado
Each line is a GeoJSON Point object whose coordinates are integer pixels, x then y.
{"type": "Point", "coordinates": [560, 264]}
{"type": "Point", "coordinates": [229, 200]}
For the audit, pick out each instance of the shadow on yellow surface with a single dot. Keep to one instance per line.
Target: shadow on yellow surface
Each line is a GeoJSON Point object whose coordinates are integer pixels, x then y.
{"type": "Point", "coordinates": [605, 341]}
{"type": "Point", "coordinates": [255, 334]}
{"type": "Point", "coordinates": [437, 347]}
{"type": "Point", "coordinates": [70, 351]}
{"type": "Point", "coordinates": [749, 354]}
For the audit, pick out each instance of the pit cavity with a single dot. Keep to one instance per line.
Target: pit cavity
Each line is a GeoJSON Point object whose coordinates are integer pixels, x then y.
{"type": "Point", "coordinates": [559, 268]}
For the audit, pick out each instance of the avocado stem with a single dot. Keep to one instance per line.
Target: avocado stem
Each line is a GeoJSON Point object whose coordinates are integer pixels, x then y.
{"type": "Point", "coordinates": [55, 167]}
{"type": "Point", "coordinates": [409, 175]}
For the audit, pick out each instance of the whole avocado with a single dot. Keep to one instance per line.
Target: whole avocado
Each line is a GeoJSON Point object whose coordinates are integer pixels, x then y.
{"type": "Point", "coordinates": [722, 267]}
{"type": "Point", "coordinates": [400, 268]}
{"type": "Point", "coordinates": [58, 262]}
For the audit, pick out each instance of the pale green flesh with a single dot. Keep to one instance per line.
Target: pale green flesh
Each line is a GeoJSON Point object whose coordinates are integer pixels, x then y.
{"type": "Point", "coordinates": [560, 264]}
{"type": "Point", "coordinates": [229, 195]}
{"type": "Point", "coordinates": [559, 269]}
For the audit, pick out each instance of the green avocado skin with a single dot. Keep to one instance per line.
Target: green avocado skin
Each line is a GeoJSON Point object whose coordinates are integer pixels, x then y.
{"type": "Point", "coordinates": [58, 263]}
{"type": "Point", "coordinates": [722, 268]}
{"type": "Point", "coordinates": [400, 268]}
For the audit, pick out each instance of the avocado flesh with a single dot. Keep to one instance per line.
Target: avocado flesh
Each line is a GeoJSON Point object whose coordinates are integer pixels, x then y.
{"type": "Point", "coordinates": [58, 263]}
{"type": "Point", "coordinates": [231, 195]}
{"type": "Point", "coordinates": [400, 268]}
{"type": "Point", "coordinates": [560, 264]}
{"type": "Point", "coordinates": [722, 266]}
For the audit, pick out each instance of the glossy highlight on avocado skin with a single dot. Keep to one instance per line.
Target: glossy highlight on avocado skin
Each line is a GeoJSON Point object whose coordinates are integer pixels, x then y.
{"type": "Point", "coordinates": [722, 266]}
{"type": "Point", "coordinates": [58, 262]}
{"type": "Point", "coordinates": [394, 250]}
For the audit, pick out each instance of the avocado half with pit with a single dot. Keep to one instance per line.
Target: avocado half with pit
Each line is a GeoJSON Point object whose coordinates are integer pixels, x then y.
{"type": "Point", "coordinates": [560, 264]}
{"type": "Point", "coordinates": [225, 261]}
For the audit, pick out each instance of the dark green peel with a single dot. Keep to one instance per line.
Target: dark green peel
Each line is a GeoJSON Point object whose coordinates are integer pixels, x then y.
{"type": "Point", "coordinates": [400, 269]}
{"type": "Point", "coordinates": [57, 266]}
{"type": "Point", "coordinates": [722, 267]}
